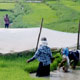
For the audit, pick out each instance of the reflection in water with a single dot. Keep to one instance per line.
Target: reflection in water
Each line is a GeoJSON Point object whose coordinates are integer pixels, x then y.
{"type": "Point", "coordinates": [59, 75]}
{"type": "Point", "coordinates": [72, 75]}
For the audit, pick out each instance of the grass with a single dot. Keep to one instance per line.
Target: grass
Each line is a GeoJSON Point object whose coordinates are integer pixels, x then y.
{"type": "Point", "coordinates": [39, 11]}
{"type": "Point", "coordinates": [2, 14]}
{"type": "Point", "coordinates": [14, 66]}
{"type": "Point", "coordinates": [61, 15]}
{"type": "Point", "coordinates": [68, 18]}
{"type": "Point", "coordinates": [7, 6]}
{"type": "Point", "coordinates": [74, 5]}
{"type": "Point", "coordinates": [11, 1]}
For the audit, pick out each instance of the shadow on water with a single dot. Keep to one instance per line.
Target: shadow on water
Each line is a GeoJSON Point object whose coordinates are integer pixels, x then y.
{"type": "Point", "coordinates": [60, 75]}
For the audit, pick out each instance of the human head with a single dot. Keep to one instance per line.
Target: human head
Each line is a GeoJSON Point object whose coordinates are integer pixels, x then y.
{"type": "Point", "coordinates": [44, 41]}
{"type": "Point", "coordinates": [6, 15]}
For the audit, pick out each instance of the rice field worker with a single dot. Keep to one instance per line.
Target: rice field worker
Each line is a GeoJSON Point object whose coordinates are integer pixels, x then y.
{"type": "Point", "coordinates": [74, 57]}
{"type": "Point", "coordinates": [44, 56]}
{"type": "Point", "coordinates": [65, 63]}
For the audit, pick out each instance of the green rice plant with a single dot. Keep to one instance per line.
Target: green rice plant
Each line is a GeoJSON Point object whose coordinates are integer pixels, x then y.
{"type": "Point", "coordinates": [67, 21]}
{"type": "Point", "coordinates": [14, 66]}
{"type": "Point", "coordinates": [72, 4]}
{"type": "Point", "coordinates": [53, 66]}
{"type": "Point", "coordinates": [9, 1]}
{"type": "Point", "coordinates": [56, 61]}
{"type": "Point", "coordinates": [39, 11]}
{"type": "Point", "coordinates": [15, 74]}
{"type": "Point", "coordinates": [58, 14]}
{"type": "Point", "coordinates": [8, 6]}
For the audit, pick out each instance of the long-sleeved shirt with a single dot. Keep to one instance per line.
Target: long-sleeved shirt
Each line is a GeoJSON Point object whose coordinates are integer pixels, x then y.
{"type": "Point", "coordinates": [44, 55]}
{"type": "Point", "coordinates": [66, 51]}
{"type": "Point", "coordinates": [65, 55]}
{"type": "Point", "coordinates": [6, 19]}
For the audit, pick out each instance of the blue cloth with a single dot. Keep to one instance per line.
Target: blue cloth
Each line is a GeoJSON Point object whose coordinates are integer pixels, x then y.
{"type": "Point", "coordinates": [44, 55]}
{"type": "Point", "coordinates": [66, 51]}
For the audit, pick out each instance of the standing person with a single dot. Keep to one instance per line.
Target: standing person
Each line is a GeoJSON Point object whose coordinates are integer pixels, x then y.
{"type": "Point", "coordinates": [6, 20]}
{"type": "Point", "coordinates": [44, 56]}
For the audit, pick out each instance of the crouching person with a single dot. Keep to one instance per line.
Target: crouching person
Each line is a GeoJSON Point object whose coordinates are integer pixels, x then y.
{"type": "Point", "coordinates": [44, 55]}
{"type": "Point", "coordinates": [74, 57]}
{"type": "Point", "coordinates": [65, 59]}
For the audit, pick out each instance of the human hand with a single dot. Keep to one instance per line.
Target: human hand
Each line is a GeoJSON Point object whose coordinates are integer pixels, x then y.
{"type": "Point", "coordinates": [27, 61]}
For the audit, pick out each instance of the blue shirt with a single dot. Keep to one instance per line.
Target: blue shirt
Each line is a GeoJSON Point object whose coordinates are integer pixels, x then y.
{"type": "Point", "coordinates": [44, 55]}
{"type": "Point", "coordinates": [66, 51]}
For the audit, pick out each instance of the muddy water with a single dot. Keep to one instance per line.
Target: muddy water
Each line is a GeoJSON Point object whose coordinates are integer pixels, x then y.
{"type": "Point", "coordinates": [72, 75]}
{"type": "Point", "coordinates": [60, 75]}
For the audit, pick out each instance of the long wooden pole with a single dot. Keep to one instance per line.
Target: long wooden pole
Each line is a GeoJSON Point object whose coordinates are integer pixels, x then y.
{"type": "Point", "coordinates": [39, 34]}
{"type": "Point", "coordinates": [78, 36]}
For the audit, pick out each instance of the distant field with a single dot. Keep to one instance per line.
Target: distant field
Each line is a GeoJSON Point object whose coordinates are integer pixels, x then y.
{"type": "Point", "coordinates": [39, 11]}
{"type": "Point", "coordinates": [11, 0]}
{"type": "Point", "coordinates": [5, 8]}
{"type": "Point", "coordinates": [7, 5]}
{"type": "Point", "coordinates": [67, 13]}
{"type": "Point", "coordinates": [62, 15]}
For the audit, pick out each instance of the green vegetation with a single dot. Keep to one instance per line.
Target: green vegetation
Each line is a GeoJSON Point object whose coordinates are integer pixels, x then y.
{"type": "Point", "coordinates": [62, 15]}
{"type": "Point", "coordinates": [9, 6]}
{"type": "Point", "coordinates": [39, 11]}
{"type": "Point", "coordinates": [5, 8]}
{"type": "Point", "coordinates": [14, 66]}
{"type": "Point", "coordinates": [11, 1]}
{"type": "Point", "coordinates": [68, 15]}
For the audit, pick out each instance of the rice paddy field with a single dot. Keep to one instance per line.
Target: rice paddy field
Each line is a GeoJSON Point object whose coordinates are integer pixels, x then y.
{"type": "Point", "coordinates": [62, 15]}
{"type": "Point", "coordinates": [14, 66]}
